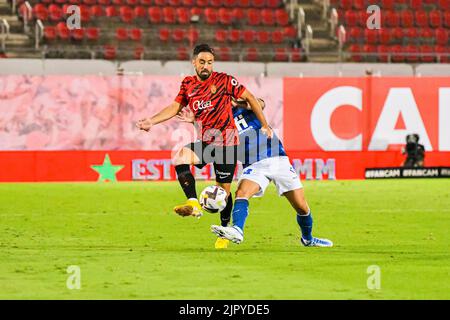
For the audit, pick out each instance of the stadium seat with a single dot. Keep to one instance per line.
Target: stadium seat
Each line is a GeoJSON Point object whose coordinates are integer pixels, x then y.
{"type": "Point", "coordinates": [281, 55]}
{"type": "Point", "coordinates": [104, 3]}
{"type": "Point", "coordinates": [277, 37]}
{"type": "Point", "coordinates": [268, 18]}
{"type": "Point", "coordinates": [168, 15]}
{"type": "Point", "coordinates": [182, 15]}
{"type": "Point", "coordinates": [387, 4]}
{"type": "Point", "coordinates": [359, 4]}
{"type": "Point", "coordinates": [442, 36]}
{"type": "Point", "coordinates": [140, 12]}
{"type": "Point", "coordinates": [139, 52]}
{"type": "Point", "coordinates": [397, 53]}
{"type": "Point", "coordinates": [216, 3]}
{"type": "Point", "coordinates": [355, 50]}
{"type": "Point", "coordinates": [90, 2]}
{"type": "Point", "coordinates": [281, 17]}
{"type": "Point", "coordinates": [78, 34]}
{"type": "Point", "coordinates": [225, 17]}
{"type": "Point", "coordinates": [202, 3]}
{"type": "Point", "coordinates": [155, 15]}
{"type": "Point", "coordinates": [221, 35]}
{"type": "Point", "coordinates": [253, 17]}
{"type": "Point", "coordinates": [118, 3]}
{"type": "Point", "coordinates": [55, 12]}
{"type": "Point", "coordinates": [49, 33]}
{"type": "Point", "coordinates": [111, 12]}
{"type": "Point", "coordinates": [435, 18]}
{"type": "Point", "coordinates": [442, 54]}
{"type": "Point", "coordinates": [444, 5]}
{"type": "Point", "coordinates": [126, 14]}
{"type": "Point", "coordinates": [174, 3]}
{"type": "Point", "coordinates": [92, 33]}
{"type": "Point", "coordinates": [421, 19]}
{"type": "Point", "coordinates": [258, 3]}
{"type": "Point", "coordinates": [211, 16]}
{"type": "Point", "coordinates": [371, 36]}
{"type": "Point", "coordinates": [251, 54]}
{"type": "Point", "coordinates": [192, 35]}
{"type": "Point", "coordinates": [290, 32]}
{"type": "Point", "coordinates": [164, 34]}
{"type": "Point", "coordinates": [412, 53]}
{"type": "Point", "coordinates": [96, 11]}
{"type": "Point", "coordinates": [178, 35]}
{"type": "Point", "coordinates": [244, 3]}
{"type": "Point", "coordinates": [121, 34]}
{"type": "Point", "coordinates": [397, 34]}
{"type": "Point", "coordinates": [196, 12]}
{"type": "Point", "coordinates": [248, 36]}
{"type": "Point", "coordinates": [426, 53]}
{"type": "Point", "coordinates": [416, 4]}
{"type": "Point", "coordinates": [40, 12]}
{"type": "Point", "coordinates": [407, 19]}
{"type": "Point", "coordinates": [346, 4]}
{"type": "Point", "coordinates": [224, 53]}
{"type": "Point", "coordinates": [238, 14]}
{"type": "Point", "coordinates": [230, 3]}
{"type": "Point", "coordinates": [296, 55]}
{"type": "Point", "coordinates": [135, 34]}
{"type": "Point", "coordinates": [274, 3]}
{"type": "Point", "coordinates": [383, 53]}
{"type": "Point", "coordinates": [384, 36]}
{"type": "Point", "coordinates": [109, 52]}
{"type": "Point", "coordinates": [63, 31]}
{"type": "Point", "coordinates": [392, 19]}
{"type": "Point", "coordinates": [131, 3]}
{"type": "Point", "coordinates": [182, 53]}
{"type": "Point", "coordinates": [146, 3]}
{"type": "Point", "coordinates": [410, 33]}
{"type": "Point", "coordinates": [234, 35]}
{"type": "Point", "coordinates": [351, 18]}
{"type": "Point", "coordinates": [263, 36]}
{"type": "Point", "coordinates": [355, 34]}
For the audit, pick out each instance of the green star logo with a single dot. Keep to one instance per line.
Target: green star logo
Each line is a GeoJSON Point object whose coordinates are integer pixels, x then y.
{"type": "Point", "coordinates": [107, 171]}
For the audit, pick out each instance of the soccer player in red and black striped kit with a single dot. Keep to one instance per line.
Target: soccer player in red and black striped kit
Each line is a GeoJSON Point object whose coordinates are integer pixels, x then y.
{"type": "Point", "coordinates": [208, 94]}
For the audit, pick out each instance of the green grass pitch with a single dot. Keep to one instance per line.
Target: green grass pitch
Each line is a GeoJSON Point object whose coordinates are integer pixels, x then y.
{"type": "Point", "coordinates": [129, 244]}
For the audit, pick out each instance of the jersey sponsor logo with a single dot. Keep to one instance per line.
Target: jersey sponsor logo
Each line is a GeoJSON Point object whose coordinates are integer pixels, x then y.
{"type": "Point", "coordinates": [201, 105]}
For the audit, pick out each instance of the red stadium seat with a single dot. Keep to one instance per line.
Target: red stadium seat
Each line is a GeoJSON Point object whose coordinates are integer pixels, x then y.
{"type": "Point", "coordinates": [416, 4]}
{"type": "Point", "coordinates": [274, 3]}
{"type": "Point", "coordinates": [407, 19]}
{"type": "Point", "coordinates": [411, 33]}
{"type": "Point", "coordinates": [197, 12]}
{"type": "Point", "coordinates": [90, 2]}
{"type": "Point", "coordinates": [387, 4]}
{"type": "Point", "coordinates": [97, 11]}
{"type": "Point", "coordinates": [277, 37]}
{"type": "Point", "coordinates": [427, 33]}
{"type": "Point", "coordinates": [383, 53]}
{"type": "Point", "coordinates": [281, 17]}
{"type": "Point", "coordinates": [111, 12]}
{"type": "Point", "coordinates": [442, 53]}
{"type": "Point", "coordinates": [211, 16]}
{"type": "Point", "coordinates": [351, 18]}
{"type": "Point", "coordinates": [253, 17]}
{"type": "Point", "coordinates": [397, 34]}
{"type": "Point", "coordinates": [139, 52]}
{"type": "Point", "coordinates": [230, 3]}
{"type": "Point", "coordinates": [225, 17]}
{"type": "Point", "coordinates": [447, 19]}
{"type": "Point", "coordinates": [192, 35]}
{"type": "Point", "coordinates": [135, 34]}
{"type": "Point", "coordinates": [268, 18]}
{"type": "Point", "coordinates": [178, 35]}
{"type": "Point", "coordinates": [244, 3]}
{"type": "Point", "coordinates": [140, 12]}
{"type": "Point", "coordinates": [216, 3]}
{"type": "Point", "coordinates": [93, 33]}
{"type": "Point", "coordinates": [55, 12]}
{"type": "Point", "coordinates": [346, 4]}
{"type": "Point", "coordinates": [281, 55]}
{"type": "Point", "coordinates": [251, 54]}
{"type": "Point", "coordinates": [263, 36]}
{"type": "Point", "coordinates": [359, 4]}
{"type": "Point", "coordinates": [109, 52]}
{"type": "Point", "coordinates": [248, 36]}
{"type": "Point", "coordinates": [121, 34]}
{"type": "Point", "coordinates": [392, 18]}
{"type": "Point", "coordinates": [183, 15]}
{"type": "Point", "coordinates": [104, 3]}
{"type": "Point", "coordinates": [160, 3]}
{"type": "Point", "coordinates": [164, 34]}
{"type": "Point", "coordinates": [296, 55]}
{"type": "Point", "coordinates": [63, 31]}
{"type": "Point", "coordinates": [238, 14]}
{"type": "Point", "coordinates": [221, 35]}
{"type": "Point", "coordinates": [118, 3]}
{"type": "Point", "coordinates": [444, 5]}
{"type": "Point", "coordinates": [132, 3]}
{"type": "Point", "coordinates": [442, 36]}
{"type": "Point", "coordinates": [397, 53]}
{"type": "Point", "coordinates": [168, 15]}
{"type": "Point", "coordinates": [224, 53]}
{"type": "Point", "coordinates": [412, 53]}
{"type": "Point", "coordinates": [371, 36]}
{"type": "Point", "coordinates": [426, 54]}
{"type": "Point", "coordinates": [355, 50]}
{"type": "Point", "coordinates": [40, 12]}
{"type": "Point", "coordinates": [384, 36]}
{"type": "Point", "coordinates": [370, 49]}
{"type": "Point", "coordinates": [78, 34]}
{"type": "Point", "coordinates": [258, 3]}
{"type": "Point", "coordinates": [182, 53]}
{"type": "Point", "coordinates": [290, 32]}
{"type": "Point", "coordinates": [173, 3]}
{"type": "Point", "coordinates": [155, 15]}
{"type": "Point", "coordinates": [421, 19]}
{"type": "Point", "coordinates": [435, 18]}
{"type": "Point", "coordinates": [234, 35]}
{"type": "Point", "coordinates": [146, 3]}
{"type": "Point", "coordinates": [126, 14]}
{"type": "Point", "coordinates": [49, 33]}
{"type": "Point", "coordinates": [202, 3]}
{"type": "Point", "coordinates": [355, 34]}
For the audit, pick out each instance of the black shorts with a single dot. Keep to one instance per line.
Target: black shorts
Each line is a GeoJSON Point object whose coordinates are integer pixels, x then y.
{"type": "Point", "coordinates": [224, 159]}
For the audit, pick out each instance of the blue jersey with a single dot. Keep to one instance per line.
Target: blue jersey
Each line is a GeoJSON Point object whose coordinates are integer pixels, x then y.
{"type": "Point", "coordinates": [254, 145]}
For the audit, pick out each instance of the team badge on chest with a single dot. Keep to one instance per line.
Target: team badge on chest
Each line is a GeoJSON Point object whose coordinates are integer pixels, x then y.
{"type": "Point", "coordinates": [213, 89]}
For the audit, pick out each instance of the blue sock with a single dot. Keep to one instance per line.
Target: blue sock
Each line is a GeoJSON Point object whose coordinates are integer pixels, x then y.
{"type": "Point", "coordinates": [305, 222]}
{"type": "Point", "coordinates": [240, 212]}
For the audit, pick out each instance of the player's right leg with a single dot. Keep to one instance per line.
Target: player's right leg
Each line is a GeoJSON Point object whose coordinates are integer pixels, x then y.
{"type": "Point", "coordinates": [190, 154]}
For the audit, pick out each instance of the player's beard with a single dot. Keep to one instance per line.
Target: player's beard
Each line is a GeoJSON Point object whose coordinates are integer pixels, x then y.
{"type": "Point", "coordinates": [204, 74]}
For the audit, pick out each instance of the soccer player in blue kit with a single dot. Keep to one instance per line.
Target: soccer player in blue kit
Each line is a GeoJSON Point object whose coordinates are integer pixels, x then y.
{"type": "Point", "coordinates": [264, 160]}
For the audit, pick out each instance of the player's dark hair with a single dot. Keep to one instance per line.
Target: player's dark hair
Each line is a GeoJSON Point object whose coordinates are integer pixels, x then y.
{"type": "Point", "coordinates": [202, 48]}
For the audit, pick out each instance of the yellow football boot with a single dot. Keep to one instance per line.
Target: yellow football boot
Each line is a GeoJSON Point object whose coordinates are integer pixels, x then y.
{"type": "Point", "coordinates": [191, 208]}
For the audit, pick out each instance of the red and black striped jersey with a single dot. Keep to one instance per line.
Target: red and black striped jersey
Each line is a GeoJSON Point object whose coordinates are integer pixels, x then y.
{"type": "Point", "coordinates": [210, 100]}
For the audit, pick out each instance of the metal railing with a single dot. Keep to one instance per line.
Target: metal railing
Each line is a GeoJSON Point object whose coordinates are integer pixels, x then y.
{"type": "Point", "coordinates": [334, 20]}
{"type": "Point", "coordinates": [308, 39]}
{"type": "Point", "coordinates": [4, 27]}
{"type": "Point", "coordinates": [38, 33]}
{"type": "Point", "coordinates": [342, 37]}
{"type": "Point", "coordinates": [27, 17]}
{"type": "Point", "coordinates": [301, 18]}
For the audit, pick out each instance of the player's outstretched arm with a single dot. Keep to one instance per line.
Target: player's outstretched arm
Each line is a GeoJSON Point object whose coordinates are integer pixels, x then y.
{"type": "Point", "coordinates": [165, 114]}
{"type": "Point", "coordinates": [258, 111]}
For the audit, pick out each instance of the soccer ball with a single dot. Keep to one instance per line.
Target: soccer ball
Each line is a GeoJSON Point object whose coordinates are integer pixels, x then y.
{"type": "Point", "coordinates": [213, 199]}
